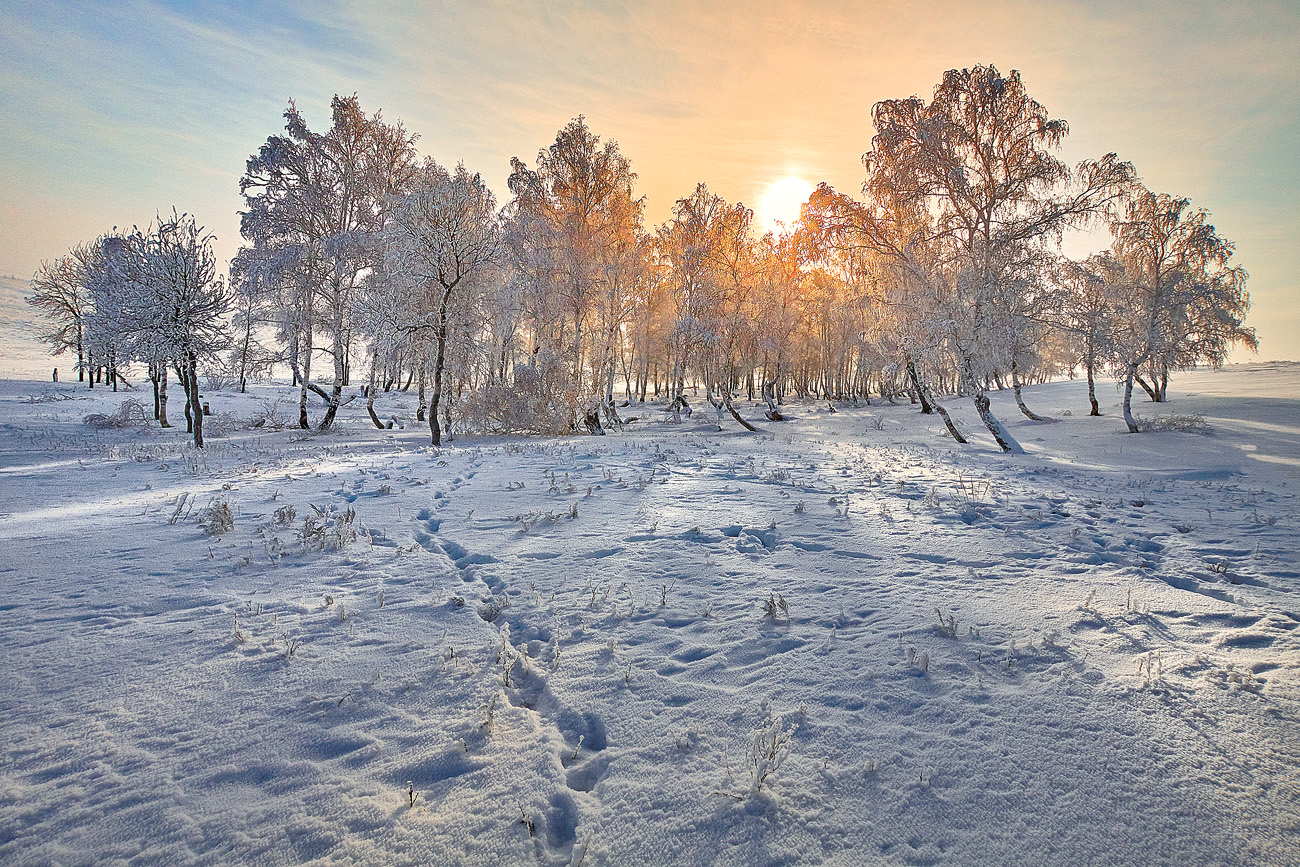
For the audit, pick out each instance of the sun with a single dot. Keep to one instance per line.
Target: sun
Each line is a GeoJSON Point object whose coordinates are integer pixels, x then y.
{"type": "Point", "coordinates": [779, 205]}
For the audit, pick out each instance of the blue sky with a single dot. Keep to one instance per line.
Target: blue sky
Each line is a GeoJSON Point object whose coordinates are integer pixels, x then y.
{"type": "Point", "coordinates": [114, 111]}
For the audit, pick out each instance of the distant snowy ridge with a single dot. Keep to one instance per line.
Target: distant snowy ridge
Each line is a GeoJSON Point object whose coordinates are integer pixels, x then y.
{"type": "Point", "coordinates": [22, 355]}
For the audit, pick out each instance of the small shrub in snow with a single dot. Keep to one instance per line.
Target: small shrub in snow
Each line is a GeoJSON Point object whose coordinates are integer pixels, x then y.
{"type": "Point", "coordinates": [47, 397]}
{"type": "Point", "coordinates": [284, 515]}
{"type": "Point", "coordinates": [767, 753]}
{"type": "Point", "coordinates": [131, 413]}
{"type": "Point", "coordinates": [221, 424]}
{"type": "Point", "coordinates": [328, 529]}
{"type": "Point", "coordinates": [489, 710]}
{"type": "Point", "coordinates": [269, 416]}
{"type": "Point", "coordinates": [775, 606]}
{"type": "Point", "coordinates": [216, 518]}
{"type": "Point", "coordinates": [492, 610]}
{"type": "Point", "coordinates": [1174, 423]}
{"type": "Point", "coordinates": [217, 378]}
{"type": "Point", "coordinates": [663, 593]}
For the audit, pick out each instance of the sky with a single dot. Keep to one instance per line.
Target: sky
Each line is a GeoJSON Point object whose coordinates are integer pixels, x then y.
{"type": "Point", "coordinates": [113, 112]}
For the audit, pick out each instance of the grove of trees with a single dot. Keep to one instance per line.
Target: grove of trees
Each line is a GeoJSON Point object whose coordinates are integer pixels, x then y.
{"type": "Point", "coordinates": [367, 269]}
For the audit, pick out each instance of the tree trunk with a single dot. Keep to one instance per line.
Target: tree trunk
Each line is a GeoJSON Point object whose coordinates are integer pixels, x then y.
{"type": "Point", "coordinates": [303, 379]}
{"type": "Point", "coordinates": [1151, 392]}
{"type": "Point", "coordinates": [611, 414]}
{"type": "Point", "coordinates": [195, 407]}
{"type": "Point", "coordinates": [438, 363]}
{"type": "Point", "coordinates": [1129, 376]}
{"type": "Point", "coordinates": [162, 395]}
{"type": "Point", "coordinates": [153, 378]}
{"type": "Point", "coordinates": [370, 390]}
{"type": "Point", "coordinates": [717, 404]}
{"type": "Point", "coordinates": [1001, 436]}
{"type": "Point", "coordinates": [243, 350]}
{"type": "Point", "coordinates": [1020, 402]}
{"type": "Point", "coordinates": [726, 399]}
{"type": "Point", "coordinates": [420, 390]}
{"type": "Point", "coordinates": [1092, 391]}
{"type": "Point", "coordinates": [334, 401]}
{"type": "Point", "coordinates": [947, 420]}
{"type": "Point", "coordinates": [926, 406]}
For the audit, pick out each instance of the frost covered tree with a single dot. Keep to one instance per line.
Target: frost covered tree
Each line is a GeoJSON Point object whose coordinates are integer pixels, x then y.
{"type": "Point", "coordinates": [978, 158]}
{"type": "Point", "coordinates": [777, 311]}
{"type": "Point", "coordinates": [252, 299]}
{"type": "Point", "coordinates": [108, 331]}
{"type": "Point", "coordinates": [444, 234]}
{"type": "Point", "coordinates": [1181, 300]}
{"type": "Point", "coordinates": [576, 238]}
{"type": "Point", "coordinates": [60, 293]}
{"type": "Point", "coordinates": [174, 304]}
{"type": "Point", "coordinates": [709, 248]}
{"type": "Point", "coordinates": [316, 203]}
{"type": "Point", "coordinates": [892, 236]}
{"type": "Point", "coordinates": [1084, 309]}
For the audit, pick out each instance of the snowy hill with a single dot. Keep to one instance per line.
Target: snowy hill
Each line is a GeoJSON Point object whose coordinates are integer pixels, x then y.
{"type": "Point", "coordinates": [842, 640]}
{"type": "Point", "coordinates": [22, 356]}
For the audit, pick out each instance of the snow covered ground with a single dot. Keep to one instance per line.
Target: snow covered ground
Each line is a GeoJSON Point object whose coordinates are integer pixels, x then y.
{"type": "Point", "coordinates": [564, 651]}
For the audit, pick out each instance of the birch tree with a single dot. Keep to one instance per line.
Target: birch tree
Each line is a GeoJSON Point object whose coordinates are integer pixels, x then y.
{"type": "Point", "coordinates": [979, 157]}
{"type": "Point", "coordinates": [175, 303]}
{"type": "Point", "coordinates": [576, 233]}
{"type": "Point", "coordinates": [444, 235]}
{"type": "Point", "coordinates": [315, 204]}
{"type": "Point", "coordinates": [60, 293]}
{"type": "Point", "coordinates": [1183, 302]}
{"type": "Point", "coordinates": [710, 250]}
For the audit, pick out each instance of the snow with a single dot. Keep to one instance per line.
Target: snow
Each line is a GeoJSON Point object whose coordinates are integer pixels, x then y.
{"type": "Point", "coordinates": [22, 355]}
{"type": "Point", "coordinates": [1089, 654]}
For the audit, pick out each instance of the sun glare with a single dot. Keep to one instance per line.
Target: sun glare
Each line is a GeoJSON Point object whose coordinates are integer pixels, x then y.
{"type": "Point", "coordinates": [781, 201]}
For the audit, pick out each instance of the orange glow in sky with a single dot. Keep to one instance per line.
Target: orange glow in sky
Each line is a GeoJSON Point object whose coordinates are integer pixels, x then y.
{"type": "Point", "coordinates": [109, 119]}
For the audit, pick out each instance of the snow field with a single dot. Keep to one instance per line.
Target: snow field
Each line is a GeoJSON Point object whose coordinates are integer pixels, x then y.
{"type": "Point", "coordinates": [559, 651]}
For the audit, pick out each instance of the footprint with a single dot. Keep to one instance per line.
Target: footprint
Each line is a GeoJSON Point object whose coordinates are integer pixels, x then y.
{"type": "Point", "coordinates": [582, 727]}
{"type": "Point", "coordinates": [434, 770]}
{"type": "Point", "coordinates": [694, 654]}
{"type": "Point", "coordinates": [562, 821]}
{"type": "Point", "coordinates": [1248, 640]}
{"type": "Point", "coordinates": [584, 777]}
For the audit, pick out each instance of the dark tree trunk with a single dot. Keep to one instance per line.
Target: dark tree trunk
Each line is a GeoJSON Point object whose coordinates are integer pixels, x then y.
{"type": "Point", "coordinates": [195, 408]}
{"type": "Point", "coordinates": [1092, 390]}
{"type": "Point", "coordinates": [1020, 402]}
{"type": "Point", "coordinates": [420, 412]}
{"type": "Point", "coordinates": [926, 406]}
{"type": "Point", "coordinates": [1151, 392]}
{"type": "Point", "coordinates": [154, 376]}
